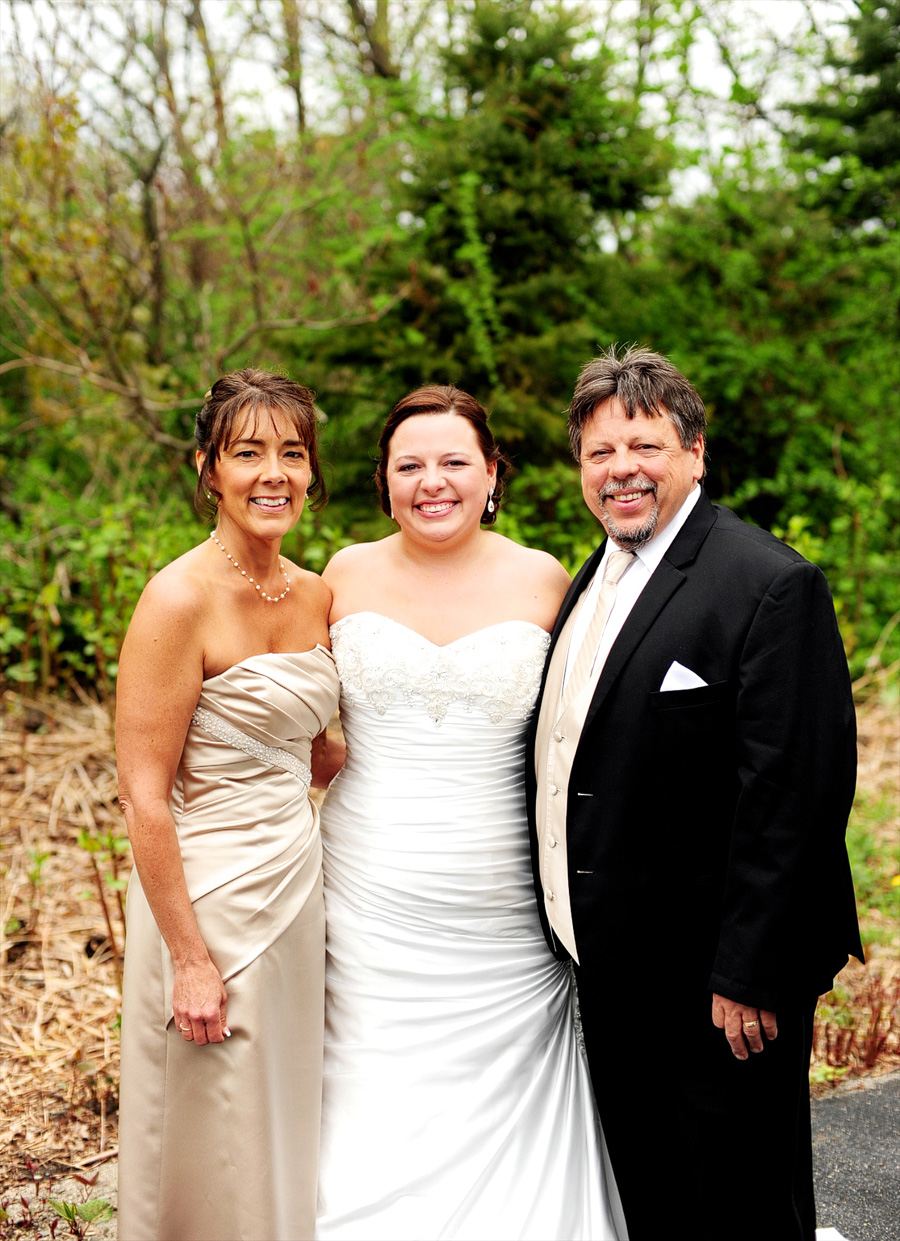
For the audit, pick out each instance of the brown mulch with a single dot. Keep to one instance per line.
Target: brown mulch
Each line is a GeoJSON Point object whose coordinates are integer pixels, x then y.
{"type": "Point", "coordinates": [62, 943]}
{"type": "Point", "coordinates": [60, 976]}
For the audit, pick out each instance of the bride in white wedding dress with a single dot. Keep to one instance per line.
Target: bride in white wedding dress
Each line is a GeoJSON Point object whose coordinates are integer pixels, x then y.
{"type": "Point", "coordinates": [457, 1101]}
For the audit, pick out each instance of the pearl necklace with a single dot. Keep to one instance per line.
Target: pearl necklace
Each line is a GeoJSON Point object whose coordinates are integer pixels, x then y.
{"type": "Point", "coordinates": [244, 573]}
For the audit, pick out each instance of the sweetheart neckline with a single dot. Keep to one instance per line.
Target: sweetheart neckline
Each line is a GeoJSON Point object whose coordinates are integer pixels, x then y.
{"type": "Point", "coordinates": [439, 646]}
{"type": "Point", "coordinates": [242, 663]}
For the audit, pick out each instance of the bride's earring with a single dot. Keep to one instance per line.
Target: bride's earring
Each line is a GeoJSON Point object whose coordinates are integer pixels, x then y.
{"type": "Point", "coordinates": [391, 507]}
{"type": "Point", "coordinates": [491, 506]}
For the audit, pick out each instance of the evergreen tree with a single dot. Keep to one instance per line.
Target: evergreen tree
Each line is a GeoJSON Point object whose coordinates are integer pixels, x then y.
{"type": "Point", "coordinates": [509, 190]}
{"type": "Point", "coordinates": [851, 131]}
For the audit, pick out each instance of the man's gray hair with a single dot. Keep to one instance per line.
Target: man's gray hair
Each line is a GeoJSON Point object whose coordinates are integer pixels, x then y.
{"type": "Point", "coordinates": [645, 383]}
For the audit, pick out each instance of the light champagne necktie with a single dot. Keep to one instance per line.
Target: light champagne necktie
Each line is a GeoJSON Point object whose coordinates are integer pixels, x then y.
{"type": "Point", "coordinates": [616, 565]}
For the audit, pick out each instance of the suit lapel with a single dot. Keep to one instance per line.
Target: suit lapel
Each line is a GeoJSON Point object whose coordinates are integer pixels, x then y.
{"type": "Point", "coordinates": [582, 577]}
{"type": "Point", "coordinates": [664, 581]}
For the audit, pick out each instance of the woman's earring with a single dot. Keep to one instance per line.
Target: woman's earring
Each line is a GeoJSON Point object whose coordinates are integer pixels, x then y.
{"type": "Point", "coordinates": [491, 506]}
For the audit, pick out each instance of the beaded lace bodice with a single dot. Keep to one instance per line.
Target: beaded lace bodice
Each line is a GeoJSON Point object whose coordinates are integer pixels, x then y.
{"type": "Point", "coordinates": [496, 670]}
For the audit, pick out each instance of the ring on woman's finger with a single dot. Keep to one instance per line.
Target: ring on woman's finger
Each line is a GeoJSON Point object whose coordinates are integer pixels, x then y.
{"type": "Point", "coordinates": [184, 1029]}
{"type": "Point", "coordinates": [750, 1025]}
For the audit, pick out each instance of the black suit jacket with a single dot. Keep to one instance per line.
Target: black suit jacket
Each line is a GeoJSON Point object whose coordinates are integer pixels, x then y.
{"type": "Point", "coordinates": [705, 827]}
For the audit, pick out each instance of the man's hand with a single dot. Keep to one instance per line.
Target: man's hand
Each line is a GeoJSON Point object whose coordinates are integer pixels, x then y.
{"type": "Point", "coordinates": [743, 1025]}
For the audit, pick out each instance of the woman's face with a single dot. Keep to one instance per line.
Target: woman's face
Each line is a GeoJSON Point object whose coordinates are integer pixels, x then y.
{"type": "Point", "coordinates": [437, 477]}
{"type": "Point", "coordinates": [262, 475]}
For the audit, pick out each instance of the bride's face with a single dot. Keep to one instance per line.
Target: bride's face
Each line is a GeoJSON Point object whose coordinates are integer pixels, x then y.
{"type": "Point", "coordinates": [437, 476]}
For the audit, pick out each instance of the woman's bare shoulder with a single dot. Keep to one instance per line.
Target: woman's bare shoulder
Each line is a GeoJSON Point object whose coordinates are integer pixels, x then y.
{"type": "Point", "coordinates": [179, 587]}
{"type": "Point", "coordinates": [532, 583]}
{"type": "Point", "coordinates": [357, 558]}
{"type": "Point", "coordinates": [316, 590]}
{"type": "Point", "coordinates": [163, 647]}
{"type": "Point", "coordinates": [360, 575]}
{"type": "Point", "coordinates": [543, 566]}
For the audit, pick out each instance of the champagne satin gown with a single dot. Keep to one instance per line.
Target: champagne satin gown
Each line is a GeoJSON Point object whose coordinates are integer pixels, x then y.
{"type": "Point", "coordinates": [220, 1143]}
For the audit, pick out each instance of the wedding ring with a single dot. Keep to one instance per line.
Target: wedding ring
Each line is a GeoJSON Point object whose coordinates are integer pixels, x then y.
{"type": "Point", "coordinates": [184, 1029]}
{"type": "Point", "coordinates": [750, 1025]}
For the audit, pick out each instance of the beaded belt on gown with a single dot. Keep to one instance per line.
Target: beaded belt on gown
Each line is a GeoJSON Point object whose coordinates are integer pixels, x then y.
{"type": "Point", "coordinates": [217, 727]}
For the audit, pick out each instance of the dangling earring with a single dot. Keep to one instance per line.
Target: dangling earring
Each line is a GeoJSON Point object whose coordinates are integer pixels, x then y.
{"type": "Point", "coordinates": [391, 507]}
{"type": "Point", "coordinates": [491, 506]}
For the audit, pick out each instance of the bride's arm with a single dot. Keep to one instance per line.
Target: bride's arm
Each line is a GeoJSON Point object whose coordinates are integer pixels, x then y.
{"type": "Point", "coordinates": [160, 676]}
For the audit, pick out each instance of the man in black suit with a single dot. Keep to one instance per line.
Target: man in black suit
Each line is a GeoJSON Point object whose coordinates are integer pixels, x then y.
{"type": "Point", "coordinates": [694, 767]}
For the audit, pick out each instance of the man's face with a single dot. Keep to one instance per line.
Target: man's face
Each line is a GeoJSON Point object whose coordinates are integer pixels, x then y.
{"type": "Point", "coordinates": [635, 475]}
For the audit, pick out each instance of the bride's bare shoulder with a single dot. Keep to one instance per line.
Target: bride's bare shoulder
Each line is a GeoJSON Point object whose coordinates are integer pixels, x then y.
{"type": "Point", "coordinates": [541, 568]}
{"type": "Point", "coordinates": [532, 583]}
{"type": "Point", "coordinates": [355, 559]}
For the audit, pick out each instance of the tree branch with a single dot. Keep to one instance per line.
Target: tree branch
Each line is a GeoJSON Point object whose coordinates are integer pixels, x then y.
{"type": "Point", "coordinates": [133, 394]}
{"type": "Point", "coordinates": [313, 325]}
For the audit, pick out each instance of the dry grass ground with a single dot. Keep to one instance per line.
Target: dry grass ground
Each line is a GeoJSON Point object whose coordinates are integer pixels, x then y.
{"type": "Point", "coordinates": [60, 988]}
{"type": "Point", "coordinates": [63, 933]}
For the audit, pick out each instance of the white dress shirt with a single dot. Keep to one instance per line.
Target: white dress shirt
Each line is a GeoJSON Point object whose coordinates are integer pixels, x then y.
{"type": "Point", "coordinates": [632, 582]}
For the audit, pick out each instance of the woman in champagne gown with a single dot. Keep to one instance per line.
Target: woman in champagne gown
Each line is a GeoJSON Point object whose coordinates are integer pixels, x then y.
{"type": "Point", "coordinates": [457, 1101]}
{"type": "Point", "coordinates": [225, 683]}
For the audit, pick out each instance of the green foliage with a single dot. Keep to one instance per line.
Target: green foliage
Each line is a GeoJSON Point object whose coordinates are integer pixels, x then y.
{"type": "Point", "coordinates": [821, 1074]}
{"type": "Point", "coordinates": [486, 214]}
{"type": "Point", "coordinates": [73, 571]}
{"type": "Point", "coordinates": [80, 1215]}
{"type": "Point", "coordinates": [850, 131]}
{"type": "Point", "coordinates": [875, 869]}
{"type": "Point", "coordinates": [545, 509]}
{"type": "Point", "coordinates": [504, 196]}
{"type": "Point", "coordinates": [476, 298]}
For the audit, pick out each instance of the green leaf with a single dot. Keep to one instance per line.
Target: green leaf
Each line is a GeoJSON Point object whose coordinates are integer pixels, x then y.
{"type": "Point", "coordinates": [95, 1210]}
{"type": "Point", "coordinates": [24, 673]}
{"type": "Point", "coordinates": [65, 1210]}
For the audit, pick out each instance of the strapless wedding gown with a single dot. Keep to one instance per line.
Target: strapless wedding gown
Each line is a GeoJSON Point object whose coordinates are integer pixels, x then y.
{"type": "Point", "coordinates": [456, 1101]}
{"type": "Point", "coordinates": [220, 1143]}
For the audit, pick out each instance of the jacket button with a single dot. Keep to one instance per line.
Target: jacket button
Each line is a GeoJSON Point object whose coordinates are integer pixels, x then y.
{"type": "Point", "coordinates": [551, 842]}
{"type": "Point", "coordinates": [558, 737]}
{"type": "Point", "coordinates": [550, 896]}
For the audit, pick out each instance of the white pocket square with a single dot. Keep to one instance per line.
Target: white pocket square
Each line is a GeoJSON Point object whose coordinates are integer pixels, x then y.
{"type": "Point", "coordinates": [679, 677]}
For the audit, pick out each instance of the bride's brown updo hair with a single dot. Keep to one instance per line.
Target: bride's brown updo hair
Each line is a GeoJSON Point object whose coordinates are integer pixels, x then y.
{"type": "Point", "coordinates": [442, 400]}
{"type": "Point", "coordinates": [254, 392]}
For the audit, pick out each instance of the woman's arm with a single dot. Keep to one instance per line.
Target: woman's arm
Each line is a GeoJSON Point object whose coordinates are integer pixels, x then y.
{"type": "Point", "coordinates": [328, 756]}
{"type": "Point", "coordinates": [160, 676]}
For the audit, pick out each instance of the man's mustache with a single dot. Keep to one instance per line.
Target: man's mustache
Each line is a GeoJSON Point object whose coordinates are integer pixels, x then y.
{"type": "Point", "coordinates": [633, 484]}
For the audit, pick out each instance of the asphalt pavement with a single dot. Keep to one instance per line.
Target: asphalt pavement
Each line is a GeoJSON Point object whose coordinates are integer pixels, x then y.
{"type": "Point", "coordinates": [856, 1154]}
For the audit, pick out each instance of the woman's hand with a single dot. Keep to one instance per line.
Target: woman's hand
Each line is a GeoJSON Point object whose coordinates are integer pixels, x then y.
{"type": "Point", "coordinates": [198, 1004]}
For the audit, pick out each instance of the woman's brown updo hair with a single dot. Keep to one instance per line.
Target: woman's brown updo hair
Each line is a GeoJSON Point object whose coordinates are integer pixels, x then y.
{"type": "Point", "coordinates": [442, 400]}
{"type": "Point", "coordinates": [253, 391]}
